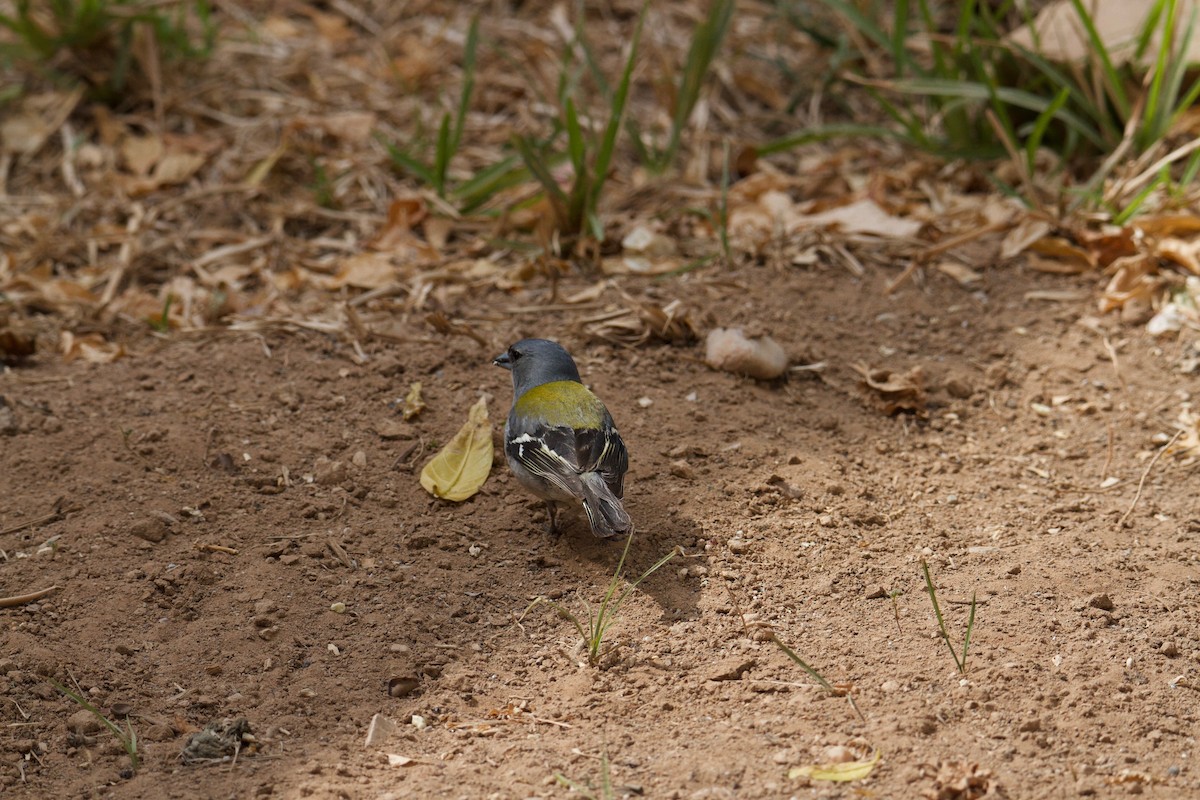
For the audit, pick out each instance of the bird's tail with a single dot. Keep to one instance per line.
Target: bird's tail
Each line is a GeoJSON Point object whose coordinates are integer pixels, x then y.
{"type": "Point", "coordinates": [604, 510]}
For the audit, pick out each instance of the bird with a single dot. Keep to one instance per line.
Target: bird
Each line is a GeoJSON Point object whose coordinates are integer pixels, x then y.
{"type": "Point", "coordinates": [560, 441]}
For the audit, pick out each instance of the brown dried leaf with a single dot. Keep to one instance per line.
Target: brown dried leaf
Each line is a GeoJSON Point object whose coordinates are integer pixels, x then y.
{"type": "Point", "coordinates": [1022, 236]}
{"type": "Point", "coordinates": [1169, 225]}
{"type": "Point", "coordinates": [26, 129]}
{"type": "Point", "coordinates": [1136, 279]}
{"type": "Point", "coordinates": [1073, 258]}
{"type": "Point", "coordinates": [362, 271]}
{"type": "Point", "coordinates": [960, 780]}
{"type": "Point", "coordinates": [1109, 245]}
{"type": "Point", "coordinates": [892, 392]}
{"type": "Point", "coordinates": [90, 347]}
{"type": "Point", "coordinates": [965, 276]}
{"type": "Point", "coordinates": [16, 345]}
{"type": "Point", "coordinates": [1184, 253]}
{"type": "Point", "coordinates": [448, 327]}
{"type": "Point", "coordinates": [141, 153]}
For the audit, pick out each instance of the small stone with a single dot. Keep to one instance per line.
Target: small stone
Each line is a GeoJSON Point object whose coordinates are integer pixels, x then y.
{"type": "Point", "coordinates": [359, 459]}
{"type": "Point", "coordinates": [379, 730]}
{"type": "Point", "coordinates": [645, 402]}
{"type": "Point", "coordinates": [1101, 601]}
{"type": "Point", "coordinates": [825, 520]}
{"type": "Point", "coordinates": [890, 686]}
{"type": "Point", "coordinates": [338, 607]}
{"type": "Point", "coordinates": [83, 722]}
{"type": "Point", "coordinates": [327, 472]}
{"type": "Point", "coordinates": [682, 469]}
{"type": "Point", "coordinates": [837, 754]}
{"type": "Point", "coordinates": [959, 388]}
{"type": "Point", "coordinates": [1031, 725]}
{"type": "Point", "coordinates": [731, 669]}
{"type": "Point", "coordinates": [739, 546]}
{"type": "Point", "coordinates": [403, 686]}
{"type": "Point", "coordinates": [151, 529]}
{"type": "Point", "coordinates": [1169, 648]}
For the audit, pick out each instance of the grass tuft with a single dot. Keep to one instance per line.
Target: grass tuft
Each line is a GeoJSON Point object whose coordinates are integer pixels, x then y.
{"type": "Point", "coordinates": [595, 625]}
{"type": "Point", "coordinates": [959, 661]}
{"type": "Point", "coordinates": [94, 40]}
{"type": "Point", "coordinates": [127, 737]}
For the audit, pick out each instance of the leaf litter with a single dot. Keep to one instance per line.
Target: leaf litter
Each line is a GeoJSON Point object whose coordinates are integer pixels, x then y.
{"type": "Point", "coordinates": [236, 229]}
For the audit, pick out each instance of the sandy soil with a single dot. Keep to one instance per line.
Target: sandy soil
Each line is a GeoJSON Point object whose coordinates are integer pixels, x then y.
{"type": "Point", "coordinates": [220, 495]}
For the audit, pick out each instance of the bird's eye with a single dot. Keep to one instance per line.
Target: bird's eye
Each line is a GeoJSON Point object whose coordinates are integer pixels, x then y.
{"type": "Point", "coordinates": [513, 355]}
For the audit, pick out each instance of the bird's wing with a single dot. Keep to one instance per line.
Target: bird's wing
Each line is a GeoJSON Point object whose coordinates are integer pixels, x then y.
{"type": "Point", "coordinates": [561, 454]}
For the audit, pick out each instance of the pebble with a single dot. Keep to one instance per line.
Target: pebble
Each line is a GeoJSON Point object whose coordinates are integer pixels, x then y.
{"type": "Point", "coordinates": [837, 754]}
{"type": "Point", "coordinates": [151, 529]}
{"type": "Point", "coordinates": [739, 546]}
{"type": "Point", "coordinates": [682, 469]}
{"type": "Point", "coordinates": [1101, 601]}
{"type": "Point", "coordinates": [83, 722]}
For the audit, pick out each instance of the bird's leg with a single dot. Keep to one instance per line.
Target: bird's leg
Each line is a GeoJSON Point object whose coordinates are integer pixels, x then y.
{"type": "Point", "coordinates": [552, 512]}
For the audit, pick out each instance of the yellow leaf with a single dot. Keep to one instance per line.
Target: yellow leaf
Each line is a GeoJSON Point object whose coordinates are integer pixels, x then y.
{"type": "Point", "coordinates": [462, 466]}
{"type": "Point", "coordinates": [413, 404]}
{"type": "Point", "coordinates": [845, 771]}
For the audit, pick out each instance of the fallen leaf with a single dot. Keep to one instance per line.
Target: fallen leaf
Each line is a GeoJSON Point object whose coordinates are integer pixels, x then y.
{"type": "Point", "coordinates": [1134, 281]}
{"type": "Point", "coordinates": [362, 271]}
{"type": "Point", "coordinates": [1180, 251]}
{"type": "Point", "coordinates": [862, 216]}
{"type": "Point", "coordinates": [24, 130]}
{"type": "Point", "coordinates": [841, 772]}
{"type": "Point", "coordinates": [16, 345]}
{"type": "Point", "coordinates": [644, 242]}
{"type": "Point", "coordinates": [413, 404]}
{"type": "Point", "coordinates": [91, 348]}
{"type": "Point", "coordinates": [141, 153]}
{"type": "Point", "coordinates": [891, 392]}
{"type": "Point", "coordinates": [1022, 236]}
{"type": "Point", "coordinates": [1060, 249]}
{"type": "Point", "coordinates": [460, 469]}
{"type": "Point", "coordinates": [960, 272]}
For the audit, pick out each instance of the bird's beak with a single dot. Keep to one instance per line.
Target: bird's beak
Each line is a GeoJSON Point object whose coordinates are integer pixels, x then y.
{"type": "Point", "coordinates": [503, 360]}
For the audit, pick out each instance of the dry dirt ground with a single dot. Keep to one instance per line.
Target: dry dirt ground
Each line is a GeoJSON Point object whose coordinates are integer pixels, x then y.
{"type": "Point", "coordinates": [221, 495]}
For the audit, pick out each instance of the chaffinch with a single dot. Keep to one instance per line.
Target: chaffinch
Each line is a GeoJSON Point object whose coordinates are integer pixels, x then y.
{"type": "Point", "coordinates": [560, 440]}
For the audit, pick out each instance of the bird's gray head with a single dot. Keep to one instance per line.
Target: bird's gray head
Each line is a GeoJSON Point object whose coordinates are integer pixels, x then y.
{"type": "Point", "coordinates": [537, 361]}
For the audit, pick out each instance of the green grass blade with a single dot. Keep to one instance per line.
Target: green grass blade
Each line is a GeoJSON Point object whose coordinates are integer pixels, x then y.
{"type": "Point", "coordinates": [1112, 78]}
{"type": "Point", "coordinates": [800, 662]}
{"type": "Point", "coordinates": [1152, 118]}
{"type": "Point", "coordinates": [1006, 94]}
{"type": "Point", "coordinates": [1034, 140]}
{"type": "Point", "coordinates": [937, 612]}
{"type": "Point", "coordinates": [402, 161]}
{"type": "Point", "coordinates": [540, 169]}
{"type": "Point", "coordinates": [464, 100]}
{"type": "Point", "coordinates": [967, 638]}
{"type": "Point", "coordinates": [505, 174]}
{"type": "Point", "coordinates": [822, 133]}
{"type": "Point", "coordinates": [1147, 33]}
{"type": "Point", "coordinates": [441, 156]}
{"type": "Point", "coordinates": [608, 144]}
{"type": "Point", "coordinates": [861, 23]}
{"type": "Point", "coordinates": [706, 41]}
{"type": "Point", "coordinates": [1135, 205]}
